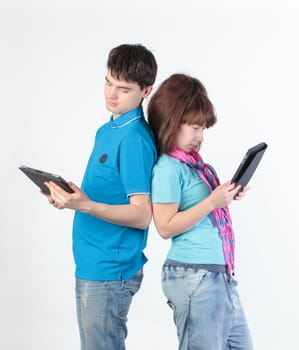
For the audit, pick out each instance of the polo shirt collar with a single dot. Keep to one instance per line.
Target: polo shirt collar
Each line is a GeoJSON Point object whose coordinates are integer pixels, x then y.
{"type": "Point", "coordinates": [127, 118]}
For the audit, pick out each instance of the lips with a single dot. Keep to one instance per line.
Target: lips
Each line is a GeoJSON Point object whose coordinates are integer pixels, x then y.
{"type": "Point", "coordinates": [112, 104]}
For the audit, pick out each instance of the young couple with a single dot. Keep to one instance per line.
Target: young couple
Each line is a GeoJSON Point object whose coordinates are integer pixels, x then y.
{"type": "Point", "coordinates": [139, 169]}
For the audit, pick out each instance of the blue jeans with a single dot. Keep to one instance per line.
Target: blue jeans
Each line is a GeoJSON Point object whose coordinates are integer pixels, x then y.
{"type": "Point", "coordinates": [207, 310]}
{"type": "Point", "coordinates": [102, 309]}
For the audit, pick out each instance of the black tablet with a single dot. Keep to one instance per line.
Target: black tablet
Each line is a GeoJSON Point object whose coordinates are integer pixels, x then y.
{"type": "Point", "coordinates": [249, 164]}
{"type": "Point", "coordinates": [39, 177]}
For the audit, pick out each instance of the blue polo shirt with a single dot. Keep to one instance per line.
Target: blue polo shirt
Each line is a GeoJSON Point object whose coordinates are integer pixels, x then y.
{"type": "Point", "coordinates": [120, 165]}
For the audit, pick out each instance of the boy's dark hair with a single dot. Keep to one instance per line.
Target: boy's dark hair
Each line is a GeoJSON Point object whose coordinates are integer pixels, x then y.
{"type": "Point", "coordinates": [179, 99]}
{"type": "Point", "coordinates": [133, 63]}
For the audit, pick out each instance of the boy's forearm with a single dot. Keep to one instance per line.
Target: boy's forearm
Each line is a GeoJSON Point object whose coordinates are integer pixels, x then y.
{"type": "Point", "coordinates": [130, 215]}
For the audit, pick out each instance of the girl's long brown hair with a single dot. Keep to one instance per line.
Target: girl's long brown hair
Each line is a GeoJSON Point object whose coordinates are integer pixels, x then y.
{"type": "Point", "coordinates": [179, 99]}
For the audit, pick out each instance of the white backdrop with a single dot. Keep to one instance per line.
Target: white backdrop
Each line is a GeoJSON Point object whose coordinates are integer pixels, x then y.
{"type": "Point", "coordinates": [53, 56]}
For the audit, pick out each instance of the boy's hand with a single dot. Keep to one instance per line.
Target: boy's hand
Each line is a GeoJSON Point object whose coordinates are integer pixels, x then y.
{"type": "Point", "coordinates": [61, 199]}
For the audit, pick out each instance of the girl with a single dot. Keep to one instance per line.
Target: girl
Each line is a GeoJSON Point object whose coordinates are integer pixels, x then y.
{"type": "Point", "coordinates": [190, 207]}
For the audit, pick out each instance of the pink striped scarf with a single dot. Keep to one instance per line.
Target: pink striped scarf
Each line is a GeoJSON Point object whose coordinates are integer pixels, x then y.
{"type": "Point", "coordinates": [219, 216]}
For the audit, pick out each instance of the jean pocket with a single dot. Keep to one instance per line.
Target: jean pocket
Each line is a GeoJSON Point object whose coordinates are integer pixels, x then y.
{"type": "Point", "coordinates": [134, 283]}
{"type": "Point", "coordinates": [195, 279]}
{"type": "Point", "coordinates": [172, 306]}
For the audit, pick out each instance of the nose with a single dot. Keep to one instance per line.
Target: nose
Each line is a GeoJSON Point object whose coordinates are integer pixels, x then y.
{"type": "Point", "coordinates": [199, 135]}
{"type": "Point", "coordinates": [112, 93]}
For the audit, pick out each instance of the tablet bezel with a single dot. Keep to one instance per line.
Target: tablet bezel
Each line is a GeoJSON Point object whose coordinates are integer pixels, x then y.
{"type": "Point", "coordinates": [39, 177]}
{"type": "Point", "coordinates": [249, 164]}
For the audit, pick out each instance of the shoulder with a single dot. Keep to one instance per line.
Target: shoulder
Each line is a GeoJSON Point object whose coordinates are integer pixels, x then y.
{"type": "Point", "coordinates": [166, 162]}
{"type": "Point", "coordinates": [166, 180]}
{"type": "Point", "coordinates": [103, 128]}
{"type": "Point", "coordinates": [168, 166]}
{"type": "Point", "coordinates": [138, 147]}
{"type": "Point", "coordinates": [137, 132]}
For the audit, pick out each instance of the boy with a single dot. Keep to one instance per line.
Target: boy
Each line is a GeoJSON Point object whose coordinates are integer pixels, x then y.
{"type": "Point", "coordinates": [113, 208]}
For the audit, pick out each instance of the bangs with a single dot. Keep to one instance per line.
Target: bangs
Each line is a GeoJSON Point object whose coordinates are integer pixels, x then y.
{"type": "Point", "coordinates": [200, 110]}
{"type": "Point", "coordinates": [201, 118]}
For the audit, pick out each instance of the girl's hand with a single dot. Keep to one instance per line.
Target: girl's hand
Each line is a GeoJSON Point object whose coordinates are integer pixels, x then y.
{"type": "Point", "coordinates": [224, 194]}
{"type": "Point", "coordinates": [242, 193]}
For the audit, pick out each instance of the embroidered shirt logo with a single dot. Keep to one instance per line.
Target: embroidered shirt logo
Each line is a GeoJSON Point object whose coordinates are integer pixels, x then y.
{"type": "Point", "coordinates": [103, 158]}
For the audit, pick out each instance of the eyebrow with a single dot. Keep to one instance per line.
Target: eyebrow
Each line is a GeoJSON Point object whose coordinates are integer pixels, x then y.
{"type": "Point", "coordinates": [119, 86]}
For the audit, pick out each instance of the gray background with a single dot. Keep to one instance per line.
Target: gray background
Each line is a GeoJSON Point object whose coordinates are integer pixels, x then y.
{"type": "Point", "coordinates": [53, 55]}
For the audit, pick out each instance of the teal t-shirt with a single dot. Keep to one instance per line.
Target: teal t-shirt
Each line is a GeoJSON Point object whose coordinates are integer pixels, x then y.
{"type": "Point", "coordinates": [175, 182]}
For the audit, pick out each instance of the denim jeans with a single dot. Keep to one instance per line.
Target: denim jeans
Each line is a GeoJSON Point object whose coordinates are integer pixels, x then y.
{"type": "Point", "coordinates": [102, 309]}
{"type": "Point", "coordinates": [206, 307]}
